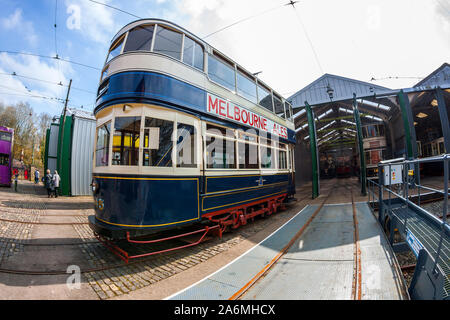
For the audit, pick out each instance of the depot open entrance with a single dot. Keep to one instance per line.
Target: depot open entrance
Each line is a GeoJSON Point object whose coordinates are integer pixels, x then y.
{"type": "Point", "coordinates": [351, 118]}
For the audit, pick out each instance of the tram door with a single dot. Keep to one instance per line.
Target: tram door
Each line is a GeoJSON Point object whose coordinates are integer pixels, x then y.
{"type": "Point", "coordinates": [187, 155]}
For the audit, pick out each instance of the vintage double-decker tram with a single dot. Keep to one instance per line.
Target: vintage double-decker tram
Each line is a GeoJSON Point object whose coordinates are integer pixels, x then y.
{"type": "Point", "coordinates": [185, 135]}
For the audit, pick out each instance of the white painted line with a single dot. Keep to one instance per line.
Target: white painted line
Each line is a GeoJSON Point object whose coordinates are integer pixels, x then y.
{"type": "Point", "coordinates": [237, 258]}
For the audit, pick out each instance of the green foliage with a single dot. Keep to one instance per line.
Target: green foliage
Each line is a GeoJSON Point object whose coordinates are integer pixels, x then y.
{"type": "Point", "coordinates": [29, 131]}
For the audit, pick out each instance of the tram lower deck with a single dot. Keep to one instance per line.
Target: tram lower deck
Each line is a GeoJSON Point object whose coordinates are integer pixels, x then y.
{"type": "Point", "coordinates": [157, 169]}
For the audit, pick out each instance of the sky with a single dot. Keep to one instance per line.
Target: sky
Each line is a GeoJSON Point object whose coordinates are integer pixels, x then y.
{"type": "Point", "coordinates": [403, 40]}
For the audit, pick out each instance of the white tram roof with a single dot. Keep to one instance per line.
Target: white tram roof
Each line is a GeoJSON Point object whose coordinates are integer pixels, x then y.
{"type": "Point", "coordinates": [208, 47]}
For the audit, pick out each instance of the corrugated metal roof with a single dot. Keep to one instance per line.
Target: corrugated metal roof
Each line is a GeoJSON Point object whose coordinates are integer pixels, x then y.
{"type": "Point", "coordinates": [439, 77]}
{"type": "Point", "coordinates": [81, 114]}
{"type": "Point", "coordinates": [316, 92]}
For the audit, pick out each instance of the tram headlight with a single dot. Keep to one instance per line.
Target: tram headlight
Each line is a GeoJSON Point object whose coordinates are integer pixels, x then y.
{"type": "Point", "coordinates": [94, 186]}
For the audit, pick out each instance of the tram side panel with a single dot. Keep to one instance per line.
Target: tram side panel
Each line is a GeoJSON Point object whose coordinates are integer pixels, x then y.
{"type": "Point", "coordinates": [146, 204]}
{"type": "Point", "coordinates": [228, 192]}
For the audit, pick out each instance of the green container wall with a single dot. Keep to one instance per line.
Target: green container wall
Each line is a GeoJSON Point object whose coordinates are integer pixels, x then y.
{"type": "Point", "coordinates": [64, 155]}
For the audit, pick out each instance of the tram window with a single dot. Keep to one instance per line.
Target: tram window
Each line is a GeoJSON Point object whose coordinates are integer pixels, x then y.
{"type": "Point", "coordinates": [126, 141]}
{"type": "Point", "coordinates": [220, 153]}
{"type": "Point", "coordinates": [193, 53]}
{"type": "Point", "coordinates": [246, 87]}
{"type": "Point", "coordinates": [441, 148]}
{"type": "Point", "coordinates": [4, 159]}
{"type": "Point", "coordinates": [221, 72]}
{"type": "Point", "coordinates": [158, 143]}
{"type": "Point", "coordinates": [115, 49]}
{"type": "Point", "coordinates": [102, 145]}
{"type": "Point", "coordinates": [248, 156]}
{"type": "Point", "coordinates": [5, 136]}
{"type": "Point", "coordinates": [168, 42]}
{"type": "Point", "coordinates": [219, 131]}
{"type": "Point", "coordinates": [265, 98]}
{"type": "Point", "coordinates": [282, 159]}
{"type": "Point", "coordinates": [267, 157]}
{"type": "Point", "coordinates": [248, 136]}
{"type": "Point", "coordinates": [139, 38]}
{"type": "Point", "coordinates": [186, 146]}
{"type": "Point", "coordinates": [279, 108]}
{"type": "Point", "coordinates": [288, 109]}
{"type": "Point", "coordinates": [381, 131]}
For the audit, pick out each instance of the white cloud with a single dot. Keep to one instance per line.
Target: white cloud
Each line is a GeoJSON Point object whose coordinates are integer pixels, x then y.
{"type": "Point", "coordinates": [355, 39]}
{"type": "Point", "coordinates": [92, 20]}
{"type": "Point", "coordinates": [15, 88]}
{"type": "Point", "coordinates": [16, 22]}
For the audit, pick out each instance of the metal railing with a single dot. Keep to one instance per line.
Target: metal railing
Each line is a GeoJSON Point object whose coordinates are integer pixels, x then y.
{"type": "Point", "coordinates": [398, 192]}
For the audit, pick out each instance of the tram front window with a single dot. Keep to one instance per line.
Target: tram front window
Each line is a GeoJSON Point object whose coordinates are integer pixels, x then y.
{"type": "Point", "coordinates": [158, 143]}
{"type": "Point", "coordinates": [5, 136]}
{"type": "Point", "coordinates": [126, 141]}
{"type": "Point", "coordinates": [102, 146]}
{"type": "Point", "coordinates": [115, 49]}
{"type": "Point", "coordinates": [139, 39]}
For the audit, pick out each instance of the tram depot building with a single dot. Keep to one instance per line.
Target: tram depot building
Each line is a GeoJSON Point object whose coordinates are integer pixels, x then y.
{"type": "Point", "coordinates": [382, 121]}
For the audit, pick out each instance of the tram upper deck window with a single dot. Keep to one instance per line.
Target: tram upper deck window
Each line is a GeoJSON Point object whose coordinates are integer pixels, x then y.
{"type": "Point", "coordinates": [186, 146]}
{"type": "Point", "coordinates": [5, 136]}
{"type": "Point", "coordinates": [279, 107]}
{"type": "Point", "coordinates": [139, 38]}
{"type": "Point", "coordinates": [158, 143]}
{"type": "Point", "coordinates": [265, 98]}
{"type": "Point", "coordinates": [126, 141]}
{"type": "Point", "coordinates": [102, 145]}
{"type": "Point", "coordinates": [246, 86]}
{"type": "Point", "coordinates": [221, 72]}
{"type": "Point", "coordinates": [288, 108]}
{"type": "Point", "coordinates": [116, 48]}
{"type": "Point", "coordinates": [193, 53]}
{"type": "Point", "coordinates": [168, 42]}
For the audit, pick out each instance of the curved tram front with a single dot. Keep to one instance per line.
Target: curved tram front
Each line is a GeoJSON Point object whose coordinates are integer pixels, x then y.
{"type": "Point", "coordinates": [184, 136]}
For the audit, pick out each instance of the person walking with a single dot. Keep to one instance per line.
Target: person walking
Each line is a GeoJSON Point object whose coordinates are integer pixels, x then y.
{"type": "Point", "coordinates": [36, 176]}
{"type": "Point", "coordinates": [56, 180]}
{"type": "Point", "coordinates": [16, 179]}
{"type": "Point", "coordinates": [48, 182]}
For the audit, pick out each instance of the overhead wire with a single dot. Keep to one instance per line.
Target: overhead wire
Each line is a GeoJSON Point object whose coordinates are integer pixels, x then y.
{"type": "Point", "coordinates": [242, 20]}
{"type": "Point", "coordinates": [308, 38]}
{"type": "Point", "coordinates": [49, 57]}
{"type": "Point", "coordinates": [115, 8]}
{"type": "Point", "coordinates": [45, 81]}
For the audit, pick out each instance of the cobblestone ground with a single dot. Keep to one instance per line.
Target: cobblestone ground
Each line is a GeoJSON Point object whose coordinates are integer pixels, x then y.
{"type": "Point", "coordinates": [115, 278]}
{"type": "Point", "coordinates": [14, 235]}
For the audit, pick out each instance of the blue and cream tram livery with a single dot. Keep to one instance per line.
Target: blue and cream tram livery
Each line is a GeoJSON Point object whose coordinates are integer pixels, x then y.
{"type": "Point", "coordinates": [185, 135]}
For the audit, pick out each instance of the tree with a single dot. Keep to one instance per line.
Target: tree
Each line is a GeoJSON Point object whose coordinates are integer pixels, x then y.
{"type": "Point", "coordinates": [20, 117]}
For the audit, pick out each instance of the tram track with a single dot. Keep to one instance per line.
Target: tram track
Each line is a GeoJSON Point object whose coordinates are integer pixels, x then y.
{"type": "Point", "coordinates": [356, 283]}
{"type": "Point", "coordinates": [238, 294]}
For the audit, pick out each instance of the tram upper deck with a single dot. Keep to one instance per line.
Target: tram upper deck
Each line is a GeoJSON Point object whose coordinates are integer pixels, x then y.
{"type": "Point", "coordinates": [156, 60]}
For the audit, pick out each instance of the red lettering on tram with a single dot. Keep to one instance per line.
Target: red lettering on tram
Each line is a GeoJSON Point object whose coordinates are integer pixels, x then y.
{"type": "Point", "coordinates": [228, 114]}
{"type": "Point", "coordinates": [237, 114]}
{"type": "Point", "coordinates": [221, 108]}
{"type": "Point", "coordinates": [212, 104]}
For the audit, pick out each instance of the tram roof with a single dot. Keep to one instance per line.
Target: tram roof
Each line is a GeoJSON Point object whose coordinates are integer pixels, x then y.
{"type": "Point", "coordinates": [207, 46]}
